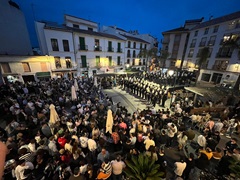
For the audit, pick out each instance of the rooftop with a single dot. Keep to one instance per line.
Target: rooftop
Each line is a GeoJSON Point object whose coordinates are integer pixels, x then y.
{"type": "Point", "coordinates": [219, 20]}
{"type": "Point", "coordinates": [134, 38]}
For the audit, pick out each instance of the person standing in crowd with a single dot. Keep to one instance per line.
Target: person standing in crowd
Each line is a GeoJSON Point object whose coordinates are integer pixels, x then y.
{"type": "Point", "coordinates": [179, 168]}
{"type": "Point", "coordinates": [117, 168]}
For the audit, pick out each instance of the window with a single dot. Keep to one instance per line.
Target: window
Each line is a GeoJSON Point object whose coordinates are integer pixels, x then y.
{"type": "Point", "coordinates": [206, 31]}
{"type": "Point", "coordinates": [193, 44]}
{"type": "Point", "coordinates": [128, 54]}
{"type": "Point", "coordinates": [190, 54]}
{"type": "Point", "coordinates": [128, 61]}
{"type": "Point", "coordinates": [237, 24]}
{"type": "Point", "coordinates": [76, 26]}
{"type": "Point", "coordinates": [203, 42]}
{"type": "Point", "coordinates": [211, 42]}
{"type": "Point", "coordinates": [144, 62]}
{"type": "Point", "coordinates": [54, 43]}
{"type": "Point", "coordinates": [210, 52]}
{"type": "Point", "coordinates": [119, 60]}
{"type": "Point", "coordinates": [110, 61]}
{"type": "Point", "coordinates": [134, 45]}
{"type": "Point", "coordinates": [26, 67]}
{"type": "Point", "coordinates": [134, 54]}
{"type": "Point", "coordinates": [215, 29]}
{"type": "Point", "coordinates": [145, 46]}
{"type": "Point", "coordinates": [172, 63]}
{"type": "Point", "coordinates": [110, 48]}
{"type": "Point", "coordinates": [57, 62]}
{"type": "Point", "coordinates": [65, 45]}
{"type": "Point", "coordinates": [133, 62]}
{"type": "Point", "coordinates": [68, 62]}
{"type": "Point", "coordinates": [90, 29]}
{"type": "Point", "coordinates": [196, 33]}
{"type": "Point", "coordinates": [232, 24]}
{"type": "Point", "coordinates": [119, 49]}
{"type": "Point", "coordinates": [84, 61]}
{"type": "Point", "coordinates": [129, 44]}
{"type": "Point", "coordinates": [98, 61]}
{"type": "Point", "coordinates": [6, 68]}
{"type": "Point", "coordinates": [82, 45]}
{"type": "Point", "coordinates": [44, 66]}
{"type": "Point", "coordinates": [140, 45]}
{"type": "Point", "coordinates": [97, 46]}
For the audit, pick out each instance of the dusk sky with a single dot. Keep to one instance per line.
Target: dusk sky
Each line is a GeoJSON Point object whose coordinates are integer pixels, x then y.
{"type": "Point", "coordinates": [147, 16]}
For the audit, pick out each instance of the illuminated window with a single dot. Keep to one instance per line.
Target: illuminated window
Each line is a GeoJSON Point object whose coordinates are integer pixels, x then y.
{"type": "Point", "coordinates": [68, 62]}
{"type": "Point", "coordinates": [57, 62]}
{"type": "Point", "coordinates": [26, 67]}
{"type": "Point", "coordinates": [44, 66]}
{"type": "Point", "coordinates": [6, 68]}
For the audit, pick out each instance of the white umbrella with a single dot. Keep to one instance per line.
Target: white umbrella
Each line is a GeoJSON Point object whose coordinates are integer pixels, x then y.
{"type": "Point", "coordinates": [54, 118]}
{"type": "Point", "coordinates": [76, 85]}
{"type": "Point", "coordinates": [95, 82]}
{"type": "Point", "coordinates": [73, 93]}
{"type": "Point", "coordinates": [109, 122]}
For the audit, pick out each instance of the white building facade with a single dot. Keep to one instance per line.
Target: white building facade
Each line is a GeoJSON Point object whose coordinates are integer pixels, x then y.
{"type": "Point", "coordinates": [222, 65]}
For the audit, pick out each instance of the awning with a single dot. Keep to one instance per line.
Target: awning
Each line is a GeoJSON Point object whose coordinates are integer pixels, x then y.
{"type": "Point", "coordinates": [43, 74]}
{"type": "Point", "coordinates": [196, 90]}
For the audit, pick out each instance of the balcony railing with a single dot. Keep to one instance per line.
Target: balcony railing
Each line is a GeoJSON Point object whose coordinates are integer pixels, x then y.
{"type": "Point", "coordinates": [119, 50]}
{"type": "Point", "coordinates": [128, 55]}
{"type": "Point", "coordinates": [211, 43]}
{"type": "Point", "coordinates": [190, 55]}
{"type": "Point", "coordinates": [201, 44]}
{"type": "Point", "coordinates": [219, 67]}
{"type": "Point", "coordinates": [110, 49]}
{"type": "Point", "coordinates": [82, 47]}
{"type": "Point", "coordinates": [97, 48]}
{"type": "Point", "coordinates": [224, 55]}
{"type": "Point", "coordinates": [192, 45]}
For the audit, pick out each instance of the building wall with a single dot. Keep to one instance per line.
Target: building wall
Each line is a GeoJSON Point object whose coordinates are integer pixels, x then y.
{"type": "Point", "coordinates": [39, 27]}
{"type": "Point", "coordinates": [16, 66]}
{"type": "Point", "coordinates": [13, 32]}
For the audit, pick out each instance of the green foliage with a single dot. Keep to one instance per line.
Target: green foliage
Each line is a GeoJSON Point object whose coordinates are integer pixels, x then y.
{"type": "Point", "coordinates": [235, 168]}
{"type": "Point", "coordinates": [142, 168]}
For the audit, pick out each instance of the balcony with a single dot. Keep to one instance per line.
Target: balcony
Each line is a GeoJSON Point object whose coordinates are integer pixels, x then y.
{"type": "Point", "coordinates": [190, 55]}
{"type": "Point", "coordinates": [110, 49]}
{"type": "Point", "coordinates": [211, 43]}
{"type": "Point", "coordinates": [119, 50]}
{"type": "Point", "coordinates": [224, 55]}
{"type": "Point", "coordinates": [219, 67]}
{"type": "Point", "coordinates": [82, 47]}
{"type": "Point", "coordinates": [97, 48]}
{"type": "Point", "coordinates": [192, 45]}
{"type": "Point", "coordinates": [128, 55]}
{"type": "Point", "coordinates": [202, 44]}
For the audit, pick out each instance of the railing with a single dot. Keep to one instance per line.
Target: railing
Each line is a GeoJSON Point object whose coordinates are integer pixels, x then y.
{"type": "Point", "coordinates": [192, 45]}
{"type": "Point", "coordinates": [224, 55]}
{"type": "Point", "coordinates": [201, 44]}
{"type": "Point", "coordinates": [82, 47]}
{"type": "Point", "coordinates": [110, 49]}
{"type": "Point", "coordinates": [219, 67]}
{"type": "Point", "coordinates": [119, 50]}
{"type": "Point", "coordinates": [97, 48]}
{"type": "Point", "coordinates": [190, 55]}
{"type": "Point", "coordinates": [128, 55]}
{"type": "Point", "coordinates": [211, 43]}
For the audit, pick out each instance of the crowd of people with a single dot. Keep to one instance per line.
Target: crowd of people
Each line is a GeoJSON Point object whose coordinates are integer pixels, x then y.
{"type": "Point", "coordinates": [77, 146]}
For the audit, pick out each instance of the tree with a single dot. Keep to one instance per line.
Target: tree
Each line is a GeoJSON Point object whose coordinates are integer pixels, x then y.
{"type": "Point", "coordinates": [203, 56]}
{"type": "Point", "coordinates": [142, 168]}
{"type": "Point", "coordinates": [151, 53]}
{"type": "Point", "coordinates": [164, 54]}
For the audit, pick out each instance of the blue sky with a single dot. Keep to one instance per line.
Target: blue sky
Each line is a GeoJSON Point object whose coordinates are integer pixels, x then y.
{"type": "Point", "coordinates": [146, 16]}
